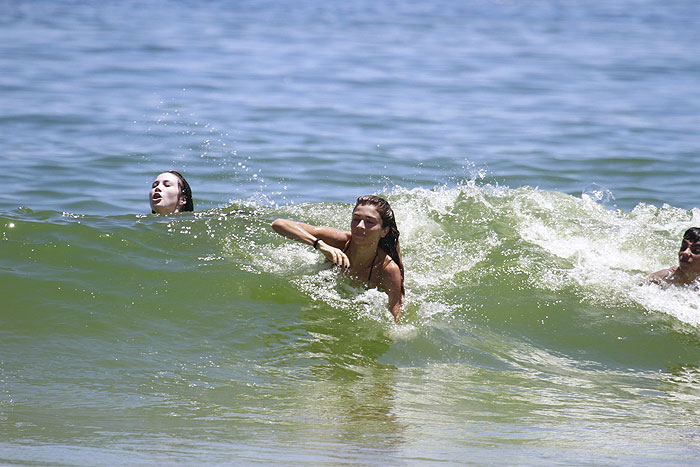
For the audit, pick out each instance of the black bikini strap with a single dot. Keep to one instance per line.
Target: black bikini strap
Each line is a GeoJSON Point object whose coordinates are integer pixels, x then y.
{"type": "Point", "coordinates": [371, 268]}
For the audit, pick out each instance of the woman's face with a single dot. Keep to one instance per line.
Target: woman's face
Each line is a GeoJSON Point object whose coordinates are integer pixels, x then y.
{"type": "Point", "coordinates": [165, 195]}
{"type": "Point", "coordinates": [366, 226]}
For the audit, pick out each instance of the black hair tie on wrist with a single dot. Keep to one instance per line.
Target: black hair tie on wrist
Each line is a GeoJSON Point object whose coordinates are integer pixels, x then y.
{"type": "Point", "coordinates": [316, 243]}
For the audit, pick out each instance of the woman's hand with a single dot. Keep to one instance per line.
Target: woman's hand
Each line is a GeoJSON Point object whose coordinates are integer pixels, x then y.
{"type": "Point", "coordinates": [333, 254]}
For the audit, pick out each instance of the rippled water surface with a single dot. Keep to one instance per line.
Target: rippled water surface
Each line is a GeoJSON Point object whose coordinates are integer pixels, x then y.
{"type": "Point", "coordinates": [540, 157]}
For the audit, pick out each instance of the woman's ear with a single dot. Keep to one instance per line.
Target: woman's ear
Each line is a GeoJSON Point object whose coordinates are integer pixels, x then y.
{"type": "Point", "coordinates": [385, 231]}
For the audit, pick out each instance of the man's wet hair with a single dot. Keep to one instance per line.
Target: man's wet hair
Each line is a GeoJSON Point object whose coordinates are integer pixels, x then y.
{"type": "Point", "coordinates": [692, 234]}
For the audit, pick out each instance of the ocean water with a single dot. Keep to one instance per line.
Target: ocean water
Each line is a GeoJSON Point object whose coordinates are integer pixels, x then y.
{"type": "Point", "coordinates": [540, 158]}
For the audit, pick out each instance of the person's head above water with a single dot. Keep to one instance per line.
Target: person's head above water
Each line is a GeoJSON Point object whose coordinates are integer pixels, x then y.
{"type": "Point", "coordinates": [389, 242]}
{"type": "Point", "coordinates": [688, 269]}
{"type": "Point", "coordinates": [170, 193]}
{"type": "Point", "coordinates": [689, 253]}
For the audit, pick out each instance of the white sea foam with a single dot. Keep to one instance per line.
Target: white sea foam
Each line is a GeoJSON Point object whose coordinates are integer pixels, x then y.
{"type": "Point", "coordinates": [449, 235]}
{"type": "Point", "coordinates": [610, 253]}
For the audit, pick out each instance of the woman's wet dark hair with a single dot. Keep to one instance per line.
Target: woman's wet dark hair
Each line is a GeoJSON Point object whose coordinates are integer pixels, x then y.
{"type": "Point", "coordinates": [390, 242]}
{"type": "Point", "coordinates": [186, 191]}
{"type": "Point", "coordinates": [692, 234]}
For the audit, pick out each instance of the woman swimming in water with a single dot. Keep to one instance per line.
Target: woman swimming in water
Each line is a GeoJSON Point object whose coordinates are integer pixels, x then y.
{"type": "Point", "coordinates": [170, 193]}
{"type": "Point", "coordinates": [370, 251]}
{"type": "Point", "coordinates": [688, 269]}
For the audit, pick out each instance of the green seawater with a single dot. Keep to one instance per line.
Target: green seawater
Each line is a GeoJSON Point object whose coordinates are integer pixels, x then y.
{"type": "Point", "coordinates": [529, 333]}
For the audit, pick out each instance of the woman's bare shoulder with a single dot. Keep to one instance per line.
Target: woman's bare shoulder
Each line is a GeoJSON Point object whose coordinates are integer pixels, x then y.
{"type": "Point", "coordinates": [390, 269]}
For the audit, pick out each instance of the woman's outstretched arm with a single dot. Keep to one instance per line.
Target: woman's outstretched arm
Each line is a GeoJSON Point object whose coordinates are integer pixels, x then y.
{"type": "Point", "coordinates": [325, 239]}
